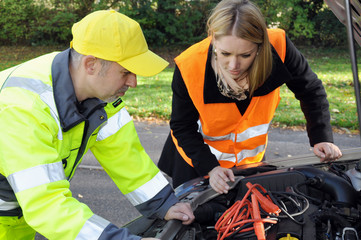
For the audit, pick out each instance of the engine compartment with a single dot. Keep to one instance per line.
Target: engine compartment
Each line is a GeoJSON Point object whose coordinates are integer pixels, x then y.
{"type": "Point", "coordinates": [316, 202]}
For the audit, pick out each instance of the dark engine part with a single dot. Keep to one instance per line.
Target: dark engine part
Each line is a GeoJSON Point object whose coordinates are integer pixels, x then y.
{"type": "Point", "coordinates": [278, 180]}
{"type": "Point", "coordinates": [341, 190]}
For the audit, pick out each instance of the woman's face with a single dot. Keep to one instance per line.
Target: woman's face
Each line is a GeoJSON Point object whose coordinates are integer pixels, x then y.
{"type": "Point", "coordinates": [235, 55]}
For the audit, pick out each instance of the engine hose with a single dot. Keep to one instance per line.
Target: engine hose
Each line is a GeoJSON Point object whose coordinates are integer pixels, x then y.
{"type": "Point", "coordinates": [341, 191]}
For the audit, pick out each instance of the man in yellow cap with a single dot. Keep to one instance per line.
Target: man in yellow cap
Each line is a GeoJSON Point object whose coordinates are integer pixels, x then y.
{"type": "Point", "coordinates": [55, 108]}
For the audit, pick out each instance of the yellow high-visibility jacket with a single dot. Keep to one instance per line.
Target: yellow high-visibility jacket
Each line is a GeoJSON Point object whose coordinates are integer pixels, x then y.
{"type": "Point", "coordinates": [45, 133]}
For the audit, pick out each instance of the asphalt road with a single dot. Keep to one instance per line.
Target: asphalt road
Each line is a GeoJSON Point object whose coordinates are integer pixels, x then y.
{"type": "Point", "coordinates": [92, 186]}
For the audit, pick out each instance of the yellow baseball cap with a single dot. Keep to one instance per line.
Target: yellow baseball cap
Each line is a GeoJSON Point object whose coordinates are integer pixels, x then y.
{"type": "Point", "coordinates": [112, 36]}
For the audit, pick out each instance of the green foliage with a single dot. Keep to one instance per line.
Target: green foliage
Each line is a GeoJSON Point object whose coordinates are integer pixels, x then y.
{"type": "Point", "coordinates": [17, 17]}
{"type": "Point", "coordinates": [169, 22]}
{"type": "Point", "coordinates": [305, 21]}
{"type": "Point", "coordinates": [291, 15]}
{"type": "Point", "coordinates": [54, 29]}
{"type": "Point", "coordinates": [164, 22]}
{"type": "Point", "coordinates": [331, 32]}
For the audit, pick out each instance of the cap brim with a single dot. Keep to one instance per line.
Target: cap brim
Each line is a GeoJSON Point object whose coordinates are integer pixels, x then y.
{"type": "Point", "coordinates": [146, 64]}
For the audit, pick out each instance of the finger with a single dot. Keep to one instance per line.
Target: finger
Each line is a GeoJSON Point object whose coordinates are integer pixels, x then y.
{"type": "Point", "coordinates": [180, 216]}
{"type": "Point", "coordinates": [223, 187]}
{"type": "Point", "coordinates": [176, 212]}
{"type": "Point", "coordinates": [218, 187]}
{"type": "Point", "coordinates": [318, 152]}
{"type": "Point", "coordinates": [188, 221]}
{"type": "Point", "coordinates": [187, 209]}
{"type": "Point", "coordinates": [222, 175]}
{"type": "Point", "coordinates": [322, 151]}
{"type": "Point", "coordinates": [230, 175]}
{"type": "Point", "coordinates": [214, 186]}
{"type": "Point", "coordinates": [339, 153]}
{"type": "Point", "coordinates": [332, 152]}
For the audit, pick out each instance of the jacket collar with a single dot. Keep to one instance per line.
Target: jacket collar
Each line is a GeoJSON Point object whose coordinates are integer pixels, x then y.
{"type": "Point", "coordinates": [70, 111]}
{"type": "Point", "coordinates": [279, 76]}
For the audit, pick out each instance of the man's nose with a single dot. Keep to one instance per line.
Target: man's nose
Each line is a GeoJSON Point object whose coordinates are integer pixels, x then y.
{"type": "Point", "coordinates": [132, 80]}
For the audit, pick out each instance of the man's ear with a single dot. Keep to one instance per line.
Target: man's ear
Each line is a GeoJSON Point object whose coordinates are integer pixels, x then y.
{"type": "Point", "coordinates": [89, 64]}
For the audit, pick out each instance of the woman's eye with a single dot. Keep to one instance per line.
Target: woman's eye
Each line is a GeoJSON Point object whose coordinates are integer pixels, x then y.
{"type": "Point", "coordinates": [246, 55]}
{"type": "Point", "coordinates": [225, 54]}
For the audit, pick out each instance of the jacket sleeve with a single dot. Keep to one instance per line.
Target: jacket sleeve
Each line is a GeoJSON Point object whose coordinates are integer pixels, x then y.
{"type": "Point", "coordinates": [184, 127]}
{"type": "Point", "coordinates": [30, 161]}
{"type": "Point", "coordinates": [308, 89]}
{"type": "Point", "coordinates": [119, 151]}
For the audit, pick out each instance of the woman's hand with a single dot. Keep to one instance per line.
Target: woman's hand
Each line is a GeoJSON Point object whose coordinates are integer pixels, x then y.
{"type": "Point", "coordinates": [327, 151]}
{"type": "Point", "coordinates": [218, 178]}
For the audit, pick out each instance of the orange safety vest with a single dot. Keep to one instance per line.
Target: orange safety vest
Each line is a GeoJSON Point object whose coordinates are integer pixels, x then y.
{"type": "Point", "coordinates": [233, 138]}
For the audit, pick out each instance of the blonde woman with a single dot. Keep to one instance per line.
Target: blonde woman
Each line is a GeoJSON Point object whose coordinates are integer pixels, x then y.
{"type": "Point", "coordinates": [225, 94]}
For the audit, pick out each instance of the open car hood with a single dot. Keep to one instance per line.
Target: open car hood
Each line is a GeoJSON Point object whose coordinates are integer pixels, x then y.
{"type": "Point", "coordinates": [339, 8]}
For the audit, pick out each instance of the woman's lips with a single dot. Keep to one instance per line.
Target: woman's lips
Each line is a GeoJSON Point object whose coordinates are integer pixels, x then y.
{"type": "Point", "coordinates": [234, 72]}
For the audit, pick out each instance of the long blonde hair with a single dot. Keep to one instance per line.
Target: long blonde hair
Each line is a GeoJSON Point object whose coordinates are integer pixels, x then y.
{"type": "Point", "coordinates": [243, 19]}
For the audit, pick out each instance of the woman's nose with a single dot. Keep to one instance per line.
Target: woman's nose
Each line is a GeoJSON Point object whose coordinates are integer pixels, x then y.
{"type": "Point", "coordinates": [233, 63]}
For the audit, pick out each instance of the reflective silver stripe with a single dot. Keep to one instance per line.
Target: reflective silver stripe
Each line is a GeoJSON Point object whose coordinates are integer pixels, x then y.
{"type": "Point", "coordinates": [113, 124]}
{"type": "Point", "coordinates": [240, 156]}
{"type": "Point", "coordinates": [249, 152]}
{"type": "Point", "coordinates": [223, 156]}
{"type": "Point", "coordinates": [247, 134]}
{"type": "Point", "coordinates": [6, 206]}
{"type": "Point", "coordinates": [148, 190]}
{"type": "Point", "coordinates": [36, 176]}
{"type": "Point", "coordinates": [253, 132]}
{"type": "Point", "coordinates": [92, 228]}
{"type": "Point", "coordinates": [44, 91]}
{"type": "Point", "coordinates": [240, 137]}
{"type": "Point", "coordinates": [229, 136]}
{"type": "Point", "coordinates": [48, 98]}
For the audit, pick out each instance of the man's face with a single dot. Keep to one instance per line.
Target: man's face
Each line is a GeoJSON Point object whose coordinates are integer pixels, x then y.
{"type": "Point", "coordinates": [113, 81]}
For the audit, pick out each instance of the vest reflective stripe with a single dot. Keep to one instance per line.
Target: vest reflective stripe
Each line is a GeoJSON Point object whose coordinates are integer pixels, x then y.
{"type": "Point", "coordinates": [93, 228]}
{"type": "Point", "coordinates": [6, 206]}
{"type": "Point", "coordinates": [148, 190]}
{"type": "Point", "coordinates": [114, 124]}
{"type": "Point", "coordinates": [44, 91]}
{"type": "Point", "coordinates": [36, 176]}
{"type": "Point", "coordinates": [247, 134]}
{"type": "Point", "coordinates": [250, 152]}
{"type": "Point", "coordinates": [230, 157]}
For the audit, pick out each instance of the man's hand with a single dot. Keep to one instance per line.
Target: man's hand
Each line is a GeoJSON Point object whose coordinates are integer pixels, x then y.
{"type": "Point", "coordinates": [219, 177]}
{"type": "Point", "coordinates": [327, 151]}
{"type": "Point", "coordinates": [180, 211]}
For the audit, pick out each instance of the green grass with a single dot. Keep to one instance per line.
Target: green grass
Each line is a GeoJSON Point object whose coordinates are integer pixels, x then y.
{"type": "Point", "coordinates": [333, 67]}
{"type": "Point", "coordinates": [152, 98]}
